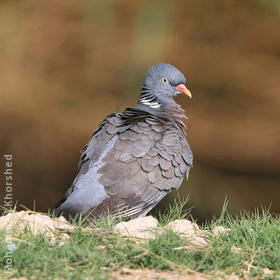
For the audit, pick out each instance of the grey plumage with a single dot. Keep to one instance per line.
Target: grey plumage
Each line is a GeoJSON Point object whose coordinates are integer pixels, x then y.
{"type": "Point", "coordinates": [136, 157]}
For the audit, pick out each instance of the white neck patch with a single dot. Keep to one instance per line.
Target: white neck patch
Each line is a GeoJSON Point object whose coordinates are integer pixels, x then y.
{"type": "Point", "coordinates": [146, 101]}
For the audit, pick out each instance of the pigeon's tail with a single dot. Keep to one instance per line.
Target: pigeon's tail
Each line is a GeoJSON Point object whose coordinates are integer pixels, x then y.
{"type": "Point", "coordinates": [59, 210]}
{"type": "Point", "coordinates": [69, 213]}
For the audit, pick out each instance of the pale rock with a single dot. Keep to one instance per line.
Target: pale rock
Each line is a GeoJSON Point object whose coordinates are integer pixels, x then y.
{"type": "Point", "coordinates": [236, 249]}
{"type": "Point", "coordinates": [199, 240]}
{"type": "Point", "coordinates": [232, 277]}
{"type": "Point", "coordinates": [142, 227]}
{"type": "Point", "coordinates": [267, 271]}
{"type": "Point", "coordinates": [188, 230]}
{"type": "Point", "coordinates": [220, 229]}
{"type": "Point", "coordinates": [185, 227]}
{"type": "Point", "coordinates": [36, 223]}
{"type": "Point", "coordinates": [222, 276]}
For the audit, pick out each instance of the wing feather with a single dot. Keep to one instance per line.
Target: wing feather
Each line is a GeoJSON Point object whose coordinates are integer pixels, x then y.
{"type": "Point", "coordinates": [159, 166]}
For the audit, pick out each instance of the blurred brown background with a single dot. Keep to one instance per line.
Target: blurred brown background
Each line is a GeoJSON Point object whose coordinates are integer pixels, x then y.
{"type": "Point", "coordinates": [65, 65]}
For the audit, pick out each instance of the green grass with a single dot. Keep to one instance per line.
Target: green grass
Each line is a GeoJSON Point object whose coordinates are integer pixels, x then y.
{"type": "Point", "coordinates": [253, 244]}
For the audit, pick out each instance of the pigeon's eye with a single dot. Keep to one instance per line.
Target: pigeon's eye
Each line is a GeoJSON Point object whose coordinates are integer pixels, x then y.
{"type": "Point", "coordinates": [164, 80]}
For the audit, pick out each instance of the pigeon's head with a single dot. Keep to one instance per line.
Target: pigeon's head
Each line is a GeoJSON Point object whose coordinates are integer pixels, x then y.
{"type": "Point", "coordinates": [161, 84]}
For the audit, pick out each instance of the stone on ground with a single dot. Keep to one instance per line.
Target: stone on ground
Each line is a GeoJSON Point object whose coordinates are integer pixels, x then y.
{"type": "Point", "coordinates": [219, 230]}
{"type": "Point", "coordinates": [188, 230]}
{"type": "Point", "coordinates": [36, 223]}
{"type": "Point", "coordinates": [142, 227]}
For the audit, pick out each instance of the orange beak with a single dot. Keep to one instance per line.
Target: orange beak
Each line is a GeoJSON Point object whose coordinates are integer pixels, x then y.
{"type": "Point", "coordinates": [182, 88]}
